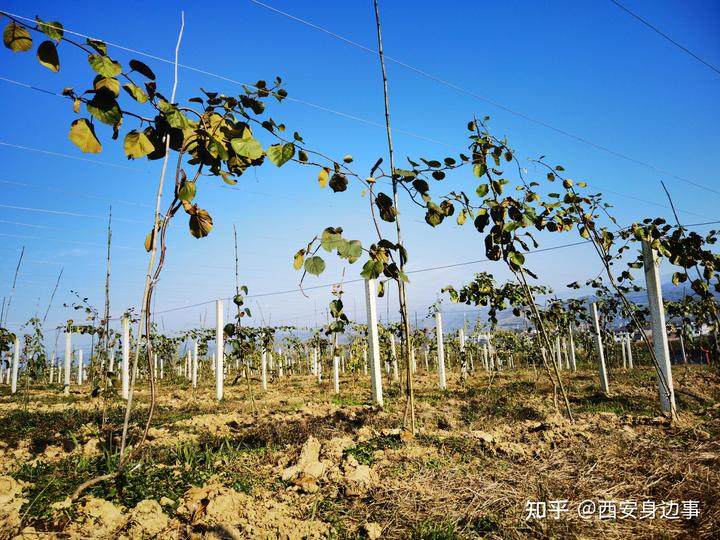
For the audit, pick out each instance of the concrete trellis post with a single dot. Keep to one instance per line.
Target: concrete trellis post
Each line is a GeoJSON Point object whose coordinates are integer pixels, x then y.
{"type": "Point", "coordinates": [440, 350]}
{"type": "Point", "coordinates": [125, 323]}
{"type": "Point", "coordinates": [336, 374]}
{"type": "Point", "coordinates": [601, 355]}
{"type": "Point", "coordinates": [425, 357]}
{"type": "Point", "coordinates": [565, 354]}
{"type": "Point", "coordinates": [162, 367]}
{"type": "Point", "coordinates": [15, 365]}
{"type": "Point", "coordinates": [52, 367]}
{"type": "Point", "coordinates": [624, 354]}
{"type": "Point", "coordinates": [365, 361]}
{"type": "Point", "coordinates": [659, 333]}
{"type": "Point", "coordinates": [682, 349]}
{"type": "Point", "coordinates": [573, 362]}
{"type": "Point", "coordinates": [194, 362]}
{"type": "Point", "coordinates": [263, 369]}
{"type": "Point", "coordinates": [629, 352]}
{"type": "Point", "coordinates": [558, 353]}
{"type": "Point", "coordinates": [220, 352]}
{"type": "Point", "coordinates": [68, 363]}
{"type": "Point", "coordinates": [393, 352]}
{"type": "Point", "coordinates": [486, 364]}
{"type": "Point", "coordinates": [461, 345]}
{"type": "Point", "coordinates": [373, 345]}
{"type": "Point", "coordinates": [79, 372]}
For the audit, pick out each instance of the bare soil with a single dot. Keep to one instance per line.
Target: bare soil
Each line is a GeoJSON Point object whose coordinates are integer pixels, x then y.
{"type": "Point", "coordinates": [302, 463]}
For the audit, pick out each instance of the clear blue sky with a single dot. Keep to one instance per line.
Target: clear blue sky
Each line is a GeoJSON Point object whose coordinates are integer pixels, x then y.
{"type": "Point", "coordinates": [584, 67]}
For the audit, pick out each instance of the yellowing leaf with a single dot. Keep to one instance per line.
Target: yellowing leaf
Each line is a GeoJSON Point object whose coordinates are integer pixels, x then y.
{"type": "Point", "coordinates": [299, 259]}
{"type": "Point", "coordinates": [47, 55]}
{"type": "Point", "coordinates": [104, 65]}
{"type": "Point", "coordinates": [280, 154]}
{"type": "Point", "coordinates": [323, 177]}
{"type": "Point", "coordinates": [83, 135]}
{"type": "Point", "coordinates": [16, 38]}
{"type": "Point", "coordinates": [136, 92]}
{"type": "Point", "coordinates": [137, 145]}
{"type": "Point", "coordinates": [200, 223]}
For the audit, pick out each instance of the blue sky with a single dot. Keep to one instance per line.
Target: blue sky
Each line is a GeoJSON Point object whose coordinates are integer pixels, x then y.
{"type": "Point", "coordinates": [584, 67]}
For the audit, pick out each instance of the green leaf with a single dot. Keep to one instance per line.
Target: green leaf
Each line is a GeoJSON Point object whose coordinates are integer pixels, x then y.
{"type": "Point", "coordinates": [338, 182]}
{"type": "Point", "coordinates": [143, 69]}
{"type": "Point", "coordinates": [136, 92]}
{"type": "Point", "coordinates": [137, 145]}
{"type": "Point", "coordinates": [516, 258]}
{"type": "Point", "coordinates": [351, 250]}
{"type": "Point", "coordinates": [16, 38]}
{"type": "Point", "coordinates": [247, 147]}
{"type": "Point", "coordinates": [47, 55]}
{"type": "Point", "coordinates": [385, 207]}
{"type": "Point", "coordinates": [280, 154]}
{"type": "Point", "coordinates": [479, 169]}
{"type": "Point", "coordinates": [323, 177]}
{"type": "Point", "coordinates": [83, 136]}
{"type": "Point", "coordinates": [186, 191]}
{"type": "Point", "coordinates": [99, 46]}
{"type": "Point", "coordinates": [482, 190]}
{"type": "Point", "coordinates": [331, 238]}
{"type": "Point", "coordinates": [104, 65]}
{"type": "Point", "coordinates": [302, 155]}
{"type": "Point", "coordinates": [434, 217]}
{"type": "Point", "coordinates": [372, 269]}
{"type": "Point", "coordinates": [105, 109]}
{"type": "Point", "coordinates": [52, 29]}
{"type": "Point", "coordinates": [175, 118]}
{"type": "Point", "coordinates": [314, 265]}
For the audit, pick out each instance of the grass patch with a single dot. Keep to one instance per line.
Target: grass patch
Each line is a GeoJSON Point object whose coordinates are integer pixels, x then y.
{"type": "Point", "coordinates": [363, 453]}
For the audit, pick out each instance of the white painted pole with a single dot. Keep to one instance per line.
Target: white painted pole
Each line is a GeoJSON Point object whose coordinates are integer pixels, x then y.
{"type": "Point", "coordinates": [486, 363]}
{"type": "Point", "coordinates": [682, 349]}
{"type": "Point", "coordinates": [52, 368]}
{"type": "Point", "coordinates": [629, 352]}
{"type": "Point", "coordinates": [125, 357]}
{"type": "Point", "coordinates": [111, 363]}
{"type": "Point", "coordinates": [573, 362]}
{"type": "Point", "coordinates": [365, 362]}
{"type": "Point", "coordinates": [624, 354]}
{"type": "Point", "coordinates": [659, 333]}
{"type": "Point", "coordinates": [336, 374]}
{"type": "Point", "coordinates": [565, 354]}
{"type": "Point", "coordinates": [194, 361]}
{"type": "Point", "coordinates": [373, 342]}
{"type": "Point", "coordinates": [440, 350]}
{"type": "Point", "coordinates": [601, 355]}
{"type": "Point", "coordinates": [68, 362]}
{"type": "Point", "coordinates": [425, 357]}
{"type": "Point", "coordinates": [263, 369]}
{"type": "Point", "coordinates": [461, 343]}
{"type": "Point", "coordinates": [80, 367]}
{"type": "Point", "coordinates": [15, 365]}
{"type": "Point", "coordinates": [220, 352]}
{"type": "Point", "coordinates": [393, 352]}
{"type": "Point", "coordinates": [162, 368]}
{"type": "Point", "coordinates": [558, 353]}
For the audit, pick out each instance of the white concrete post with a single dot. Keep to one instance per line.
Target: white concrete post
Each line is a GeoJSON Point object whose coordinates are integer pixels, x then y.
{"type": "Point", "coordinates": [111, 363]}
{"type": "Point", "coordinates": [194, 361]}
{"type": "Point", "coordinates": [425, 357]}
{"type": "Point", "coordinates": [601, 355]}
{"type": "Point", "coordinates": [573, 362]}
{"type": "Point", "coordinates": [373, 342]}
{"type": "Point", "coordinates": [682, 349]}
{"type": "Point", "coordinates": [461, 343]}
{"type": "Point", "coordinates": [486, 364]}
{"type": "Point", "coordinates": [52, 367]}
{"type": "Point", "coordinates": [125, 323]}
{"type": "Point", "coordinates": [162, 368]}
{"type": "Point", "coordinates": [68, 363]}
{"type": "Point", "coordinates": [393, 352]}
{"type": "Point", "coordinates": [263, 369]}
{"type": "Point", "coordinates": [440, 350]}
{"type": "Point", "coordinates": [629, 352]}
{"type": "Point", "coordinates": [624, 355]}
{"type": "Point", "coordinates": [565, 354]}
{"type": "Point", "coordinates": [15, 365]}
{"type": "Point", "coordinates": [365, 363]}
{"type": "Point", "coordinates": [155, 366]}
{"type": "Point", "coordinates": [336, 374]}
{"type": "Point", "coordinates": [80, 367]}
{"type": "Point", "coordinates": [659, 333]}
{"type": "Point", "coordinates": [220, 352]}
{"type": "Point", "coordinates": [558, 353]}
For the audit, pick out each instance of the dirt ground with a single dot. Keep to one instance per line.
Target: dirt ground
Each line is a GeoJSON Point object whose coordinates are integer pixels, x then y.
{"type": "Point", "coordinates": [300, 462]}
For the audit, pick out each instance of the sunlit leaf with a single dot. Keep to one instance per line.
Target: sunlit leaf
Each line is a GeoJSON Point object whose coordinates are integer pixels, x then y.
{"type": "Point", "coordinates": [82, 134]}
